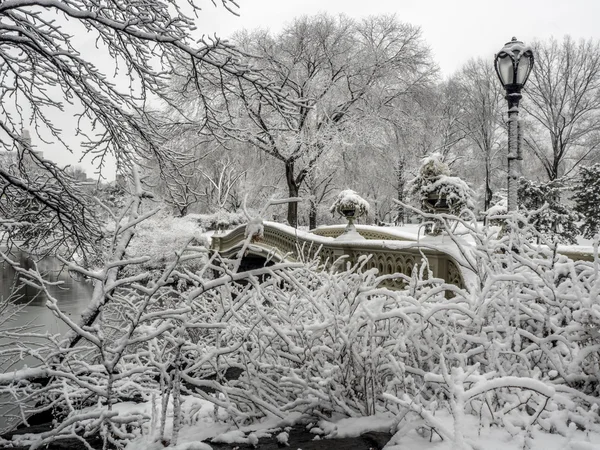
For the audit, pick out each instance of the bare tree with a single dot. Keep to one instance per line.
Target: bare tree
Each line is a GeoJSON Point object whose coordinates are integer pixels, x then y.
{"type": "Point", "coordinates": [415, 126]}
{"type": "Point", "coordinates": [176, 179]}
{"type": "Point", "coordinates": [204, 176]}
{"type": "Point", "coordinates": [481, 101]}
{"type": "Point", "coordinates": [563, 98]}
{"type": "Point", "coordinates": [220, 179]}
{"type": "Point", "coordinates": [320, 184]}
{"type": "Point", "coordinates": [44, 71]}
{"type": "Point", "coordinates": [333, 66]}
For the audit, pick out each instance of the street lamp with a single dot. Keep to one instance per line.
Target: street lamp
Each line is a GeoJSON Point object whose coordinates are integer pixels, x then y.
{"type": "Point", "coordinates": [513, 65]}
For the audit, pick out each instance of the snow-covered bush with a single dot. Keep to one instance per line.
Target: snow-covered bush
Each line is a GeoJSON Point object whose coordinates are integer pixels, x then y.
{"type": "Point", "coordinates": [220, 220]}
{"type": "Point", "coordinates": [436, 191]}
{"type": "Point", "coordinates": [517, 348]}
{"type": "Point", "coordinates": [434, 187]}
{"type": "Point", "coordinates": [587, 199]}
{"type": "Point", "coordinates": [547, 210]}
{"type": "Point", "coordinates": [348, 200]}
{"type": "Point", "coordinates": [498, 208]}
{"type": "Point", "coordinates": [158, 238]}
{"type": "Point", "coordinates": [521, 341]}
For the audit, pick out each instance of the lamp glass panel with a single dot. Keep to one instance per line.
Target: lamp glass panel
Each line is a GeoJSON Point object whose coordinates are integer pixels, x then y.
{"type": "Point", "coordinates": [523, 69]}
{"type": "Point", "coordinates": [506, 70]}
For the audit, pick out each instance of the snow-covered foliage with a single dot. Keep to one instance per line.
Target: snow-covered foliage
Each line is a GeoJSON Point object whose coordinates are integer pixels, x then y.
{"type": "Point", "coordinates": [158, 238]}
{"type": "Point", "coordinates": [547, 210]}
{"type": "Point", "coordinates": [350, 200]}
{"type": "Point", "coordinates": [587, 199]}
{"type": "Point", "coordinates": [498, 208]}
{"type": "Point", "coordinates": [220, 220]}
{"type": "Point", "coordinates": [453, 190]}
{"type": "Point", "coordinates": [282, 438]}
{"type": "Point", "coordinates": [435, 188]}
{"type": "Point", "coordinates": [433, 166]}
{"type": "Point", "coordinates": [255, 229]}
{"type": "Point", "coordinates": [517, 349]}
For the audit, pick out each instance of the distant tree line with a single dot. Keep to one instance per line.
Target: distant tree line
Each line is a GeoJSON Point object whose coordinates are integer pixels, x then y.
{"type": "Point", "coordinates": [373, 105]}
{"type": "Point", "coordinates": [327, 103]}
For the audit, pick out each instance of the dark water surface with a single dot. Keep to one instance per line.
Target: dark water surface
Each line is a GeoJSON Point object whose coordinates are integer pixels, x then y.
{"type": "Point", "coordinates": [72, 297]}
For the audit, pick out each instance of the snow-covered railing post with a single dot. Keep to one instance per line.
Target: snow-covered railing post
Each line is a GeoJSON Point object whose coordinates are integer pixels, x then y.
{"type": "Point", "coordinates": [352, 206]}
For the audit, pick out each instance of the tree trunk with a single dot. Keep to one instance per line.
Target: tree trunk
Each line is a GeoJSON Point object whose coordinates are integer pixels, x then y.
{"type": "Point", "coordinates": [293, 188]}
{"type": "Point", "coordinates": [400, 185]}
{"type": "Point", "coordinates": [557, 151]}
{"type": "Point", "coordinates": [312, 215]}
{"type": "Point", "coordinates": [487, 202]}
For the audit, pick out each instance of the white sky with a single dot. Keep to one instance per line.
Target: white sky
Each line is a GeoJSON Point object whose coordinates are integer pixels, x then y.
{"type": "Point", "coordinates": [455, 30]}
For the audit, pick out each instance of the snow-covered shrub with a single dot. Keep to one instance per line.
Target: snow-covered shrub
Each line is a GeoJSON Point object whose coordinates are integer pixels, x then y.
{"type": "Point", "coordinates": [348, 200]}
{"type": "Point", "coordinates": [521, 341]}
{"type": "Point", "coordinates": [547, 210]}
{"type": "Point", "coordinates": [220, 220]}
{"type": "Point", "coordinates": [587, 199]}
{"type": "Point", "coordinates": [517, 348]}
{"type": "Point", "coordinates": [159, 237]}
{"type": "Point", "coordinates": [435, 187]}
{"type": "Point", "coordinates": [498, 207]}
{"type": "Point", "coordinates": [435, 190]}
{"type": "Point", "coordinates": [255, 229]}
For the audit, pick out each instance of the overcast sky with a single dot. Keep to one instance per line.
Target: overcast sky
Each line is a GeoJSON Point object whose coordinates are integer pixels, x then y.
{"type": "Point", "coordinates": [455, 30]}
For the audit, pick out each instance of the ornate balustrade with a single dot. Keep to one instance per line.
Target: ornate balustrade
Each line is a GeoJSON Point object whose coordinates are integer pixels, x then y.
{"type": "Point", "coordinates": [367, 231]}
{"type": "Point", "coordinates": [390, 252]}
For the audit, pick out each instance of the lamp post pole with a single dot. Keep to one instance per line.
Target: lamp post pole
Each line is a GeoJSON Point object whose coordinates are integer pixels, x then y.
{"type": "Point", "coordinates": [513, 65]}
{"type": "Point", "coordinates": [515, 156]}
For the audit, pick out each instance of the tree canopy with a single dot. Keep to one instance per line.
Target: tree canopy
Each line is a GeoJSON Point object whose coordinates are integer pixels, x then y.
{"type": "Point", "coordinates": [45, 72]}
{"type": "Point", "coordinates": [340, 71]}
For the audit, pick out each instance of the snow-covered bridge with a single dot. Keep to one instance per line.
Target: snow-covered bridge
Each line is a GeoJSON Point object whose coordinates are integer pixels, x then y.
{"type": "Point", "coordinates": [391, 251]}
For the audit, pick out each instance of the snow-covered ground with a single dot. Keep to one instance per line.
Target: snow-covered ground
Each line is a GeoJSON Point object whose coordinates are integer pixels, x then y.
{"type": "Point", "coordinates": [415, 437]}
{"type": "Point", "coordinates": [409, 432]}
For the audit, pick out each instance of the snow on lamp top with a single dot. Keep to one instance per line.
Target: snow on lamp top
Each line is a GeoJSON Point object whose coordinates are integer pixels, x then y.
{"type": "Point", "coordinates": [349, 204]}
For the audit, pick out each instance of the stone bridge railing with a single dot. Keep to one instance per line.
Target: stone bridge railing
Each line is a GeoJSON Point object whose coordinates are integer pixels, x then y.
{"type": "Point", "coordinates": [390, 252]}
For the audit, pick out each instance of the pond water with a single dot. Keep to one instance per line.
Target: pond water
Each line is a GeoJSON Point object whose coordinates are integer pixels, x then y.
{"type": "Point", "coordinates": [72, 297]}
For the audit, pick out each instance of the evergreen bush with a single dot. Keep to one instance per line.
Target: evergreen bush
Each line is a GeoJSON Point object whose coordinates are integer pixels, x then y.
{"type": "Point", "coordinates": [587, 200]}
{"type": "Point", "coordinates": [547, 212]}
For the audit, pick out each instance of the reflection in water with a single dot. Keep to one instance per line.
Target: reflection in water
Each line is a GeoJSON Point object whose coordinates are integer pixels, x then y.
{"type": "Point", "coordinates": [72, 297]}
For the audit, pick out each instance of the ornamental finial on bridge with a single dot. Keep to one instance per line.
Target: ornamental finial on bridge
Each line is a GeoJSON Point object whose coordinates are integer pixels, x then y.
{"type": "Point", "coordinates": [352, 206]}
